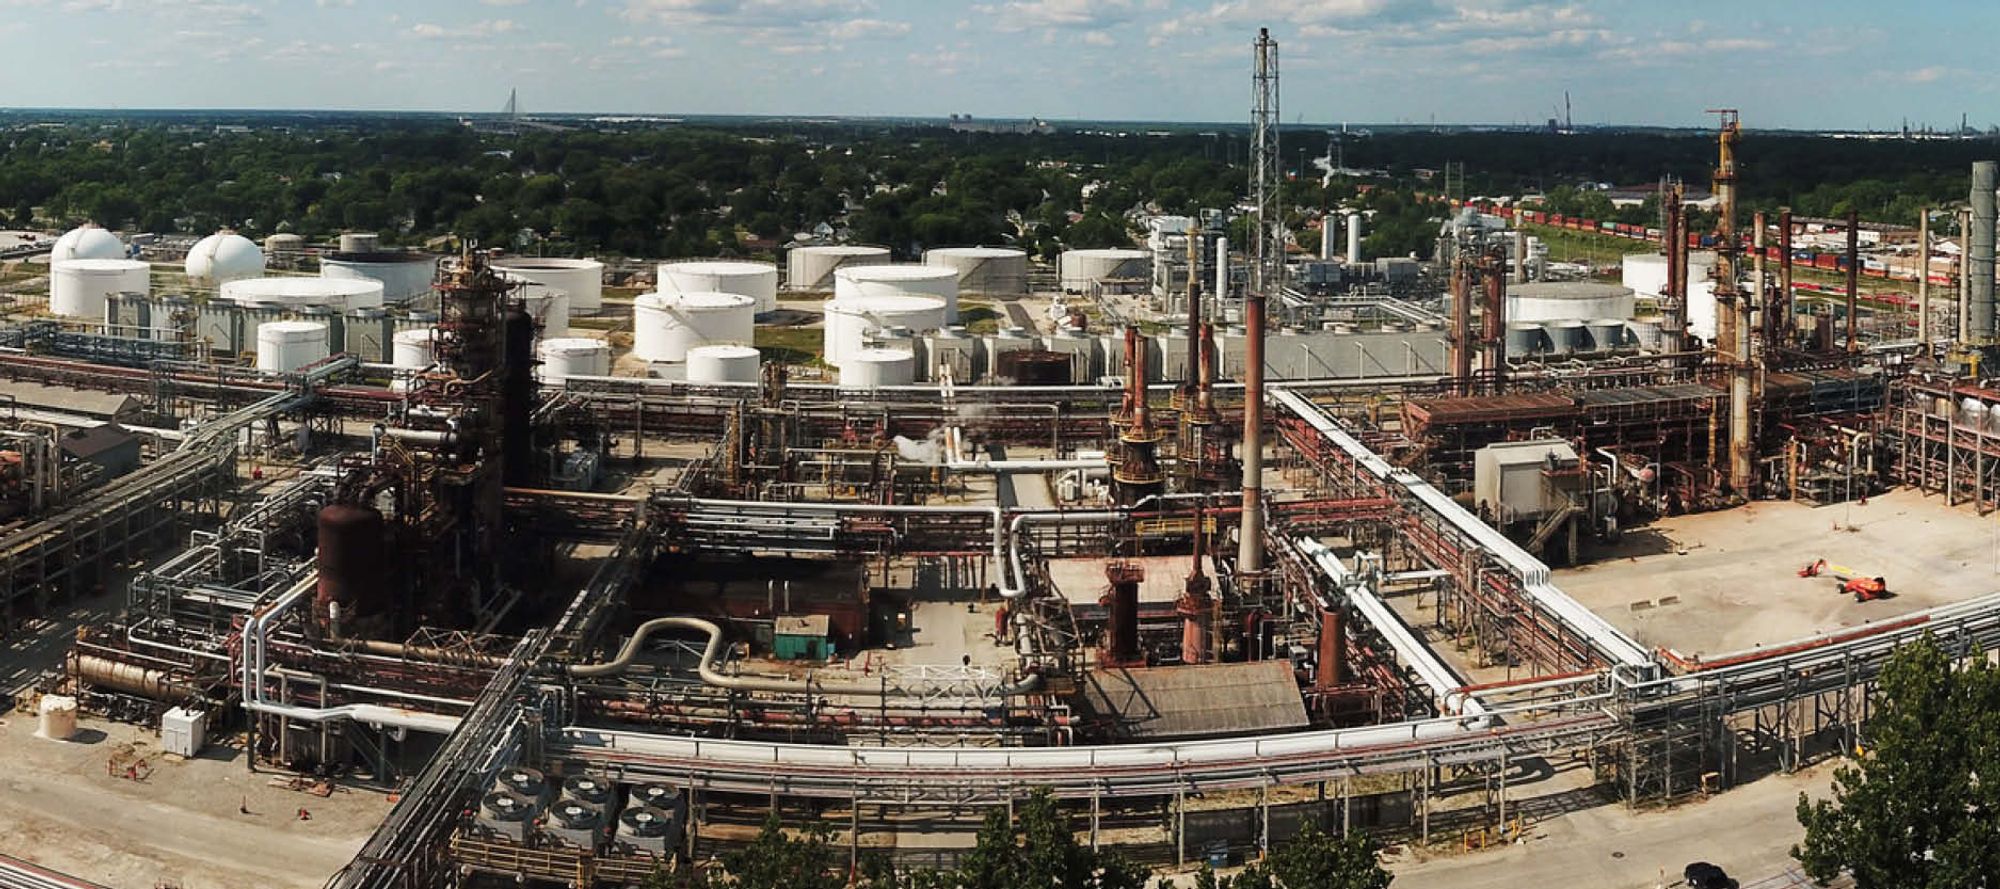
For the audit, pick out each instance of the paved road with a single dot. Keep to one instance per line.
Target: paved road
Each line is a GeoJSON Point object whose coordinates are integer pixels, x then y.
{"type": "Point", "coordinates": [1748, 831]}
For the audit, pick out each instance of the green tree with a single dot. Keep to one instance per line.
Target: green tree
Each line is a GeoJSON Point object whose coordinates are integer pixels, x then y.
{"type": "Point", "coordinates": [1920, 809]}
{"type": "Point", "coordinates": [1039, 848]}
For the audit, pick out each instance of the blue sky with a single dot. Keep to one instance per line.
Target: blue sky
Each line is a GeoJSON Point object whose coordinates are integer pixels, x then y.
{"type": "Point", "coordinates": [1827, 63]}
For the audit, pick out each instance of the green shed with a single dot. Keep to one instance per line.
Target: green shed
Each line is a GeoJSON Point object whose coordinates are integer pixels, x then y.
{"type": "Point", "coordinates": [800, 638]}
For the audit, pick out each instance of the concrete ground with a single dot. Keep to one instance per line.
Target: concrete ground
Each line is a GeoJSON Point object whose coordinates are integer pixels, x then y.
{"type": "Point", "coordinates": [182, 825]}
{"type": "Point", "coordinates": [1747, 831]}
{"type": "Point", "coordinates": [1726, 581]}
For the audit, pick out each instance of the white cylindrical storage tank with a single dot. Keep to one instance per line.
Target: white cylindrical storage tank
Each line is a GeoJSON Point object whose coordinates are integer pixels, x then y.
{"type": "Point", "coordinates": [360, 242]}
{"type": "Point", "coordinates": [1082, 270]}
{"type": "Point", "coordinates": [549, 308]}
{"type": "Point", "coordinates": [1644, 273]}
{"type": "Point", "coordinates": [574, 356]}
{"type": "Point", "coordinates": [412, 348]}
{"type": "Point", "coordinates": [723, 364]}
{"type": "Point", "coordinates": [812, 267]}
{"type": "Point", "coordinates": [581, 279]}
{"type": "Point", "coordinates": [1353, 238]}
{"type": "Point", "coordinates": [1568, 301]}
{"type": "Point", "coordinates": [1701, 308]}
{"type": "Point", "coordinates": [284, 346]}
{"type": "Point", "coordinates": [284, 244]}
{"type": "Point", "coordinates": [850, 322]}
{"type": "Point", "coordinates": [666, 325]}
{"type": "Point", "coordinates": [868, 368]}
{"type": "Point", "coordinates": [223, 257]}
{"type": "Point", "coordinates": [1000, 271]}
{"type": "Point", "coordinates": [58, 717]}
{"type": "Point", "coordinates": [864, 282]}
{"type": "Point", "coordinates": [79, 288]}
{"type": "Point", "coordinates": [404, 276]}
{"type": "Point", "coordinates": [756, 280]}
{"type": "Point", "coordinates": [87, 242]}
{"type": "Point", "coordinates": [339, 294]}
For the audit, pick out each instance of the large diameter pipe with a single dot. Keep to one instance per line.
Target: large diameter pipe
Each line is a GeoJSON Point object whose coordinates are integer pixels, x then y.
{"type": "Point", "coordinates": [1979, 302]}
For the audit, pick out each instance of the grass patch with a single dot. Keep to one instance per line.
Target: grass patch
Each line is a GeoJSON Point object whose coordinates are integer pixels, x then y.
{"type": "Point", "coordinates": [790, 345]}
{"type": "Point", "coordinates": [981, 319]}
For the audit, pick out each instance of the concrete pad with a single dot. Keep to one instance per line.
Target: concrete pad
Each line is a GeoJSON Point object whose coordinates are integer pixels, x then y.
{"type": "Point", "coordinates": [1728, 580]}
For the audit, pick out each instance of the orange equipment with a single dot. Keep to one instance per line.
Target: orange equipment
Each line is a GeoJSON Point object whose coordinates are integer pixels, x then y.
{"type": "Point", "coordinates": [1860, 585]}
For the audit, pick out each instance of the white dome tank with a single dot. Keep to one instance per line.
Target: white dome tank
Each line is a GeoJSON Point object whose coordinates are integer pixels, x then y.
{"type": "Point", "coordinates": [339, 294]}
{"type": "Point", "coordinates": [862, 282]}
{"type": "Point", "coordinates": [566, 357]}
{"type": "Point", "coordinates": [284, 346]}
{"type": "Point", "coordinates": [665, 326]}
{"type": "Point", "coordinates": [850, 322]}
{"type": "Point", "coordinates": [723, 364]}
{"type": "Point", "coordinates": [581, 279]}
{"type": "Point", "coordinates": [812, 267]}
{"type": "Point", "coordinates": [869, 368]}
{"type": "Point", "coordinates": [756, 280]}
{"type": "Point", "coordinates": [224, 257]}
{"type": "Point", "coordinates": [1001, 271]}
{"type": "Point", "coordinates": [1081, 270]}
{"type": "Point", "coordinates": [87, 242]}
{"type": "Point", "coordinates": [412, 348]}
{"type": "Point", "coordinates": [79, 288]}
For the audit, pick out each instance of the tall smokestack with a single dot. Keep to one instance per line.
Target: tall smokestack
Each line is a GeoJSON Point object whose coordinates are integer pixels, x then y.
{"type": "Point", "coordinates": [1461, 323]}
{"type": "Point", "coordinates": [1250, 548]}
{"type": "Point", "coordinates": [1787, 324]}
{"type": "Point", "coordinates": [1979, 300]}
{"type": "Point", "coordinates": [1493, 278]}
{"type": "Point", "coordinates": [1964, 273]}
{"type": "Point", "coordinates": [1221, 274]}
{"type": "Point", "coordinates": [1353, 238]}
{"type": "Point", "coordinates": [1854, 278]}
{"type": "Point", "coordinates": [1924, 282]}
{"type": "Point", "coordinates": [1520, 254]}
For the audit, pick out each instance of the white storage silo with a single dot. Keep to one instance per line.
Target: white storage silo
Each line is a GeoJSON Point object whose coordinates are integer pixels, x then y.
{"type": "Point", "coordinates": [666, 325]}
{"type": "Point", "coordinates": [581, 279]}
{"type": "Point", "coordinates": [1568, 301]}
{"type": "Point", "coordinates": [86, 242]}
{"type": "Point", "coordinates": [849, 322]}
{"type": "Point", "coordinates": [284, 346]}
{"type": "Point", "coordinates": [223, 257]}
{"type": "Point", "coordinates": [723, 364]}
{"type": "Point", "coordinates": [1000, 271]}
{"type": "Point", "coordinates": [869, 368]}
{"type": "Point", "coordinates": [812, 267]}
{"type": "Point", "coordinates": [1082, 270]}
{"type": "Point", "coordinates": [864, 282]}
{"type": "Point", "coordinates": [575, 356]}
{"type": "Point", "coordinates": [338, 294]}
{"type": "Point", "coordinates": [756, 280]}
{"type": "Point", "coordinates": [412, 348]}
{"type": "Point", "coordinates": [79, 288]}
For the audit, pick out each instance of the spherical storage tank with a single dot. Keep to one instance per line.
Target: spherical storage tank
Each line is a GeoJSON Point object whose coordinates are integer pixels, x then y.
{"type": "Point", "coordinates": [412, 348]}
{"type": "Point", "coordinates": [990, 270]}
{"type": "Point", "coordinates": [339, 294]}
{"type": "Point", "coordinates": [87, 242]}
{"type": "Point", "coordinates": [79, 288]}
{"type": "Point", "coordinates": [756, 280]}
{"type": "Point", "coordinates": [849, 322]}
{"type": "Point", "coordinates": [868, 368]}
{"type": "Point", "coordinates": [865, 282]}
{"type": "Point", "coordinates": [224, 257]}
{"type": "Point", "coordinates": [1567, 301]}
{"type": "Point", "coordinates": [581, 279]}
{"type": "Point", "coordinates": [404, 276]}
{"type": "Point", "coordinates": [1080, 270]}
{"type": "Point", "coordinates": [666, 325]}
{"type": "Point", "coordinates": [812, 267]}
{"type": "Point", "coordinates": [566, 357]}
{"type": "Point", "coordinates": [284, 346]}
{"type": "Point", "coordinates": [723, 364]}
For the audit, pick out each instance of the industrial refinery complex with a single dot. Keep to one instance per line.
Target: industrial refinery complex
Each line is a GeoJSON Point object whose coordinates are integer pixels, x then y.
{"type": "Point", "coordinates": [539, 571]}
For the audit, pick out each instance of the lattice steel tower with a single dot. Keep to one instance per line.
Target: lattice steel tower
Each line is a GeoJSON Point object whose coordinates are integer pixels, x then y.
{"type": "Point", "coordinates": [1265, 171]}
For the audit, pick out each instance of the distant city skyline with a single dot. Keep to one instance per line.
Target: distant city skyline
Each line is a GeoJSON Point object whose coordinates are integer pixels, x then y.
{"type": "Point", "coordinates": [1832, 64]}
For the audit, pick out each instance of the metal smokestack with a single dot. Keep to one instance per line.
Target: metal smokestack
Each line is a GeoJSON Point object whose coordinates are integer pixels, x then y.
{"type": "Point", "coordinates": [1520, 254]}
{"type": "Point", "coordinates": [1979, 268]}
{"type": "Point", "coordinates": [1924, 282]}
{"type": "Point", "coordinates": [1854, 278]}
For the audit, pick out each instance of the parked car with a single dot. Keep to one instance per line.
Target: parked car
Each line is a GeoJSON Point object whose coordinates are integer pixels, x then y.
{"type": "Point", "coordinates": [1702, 875]}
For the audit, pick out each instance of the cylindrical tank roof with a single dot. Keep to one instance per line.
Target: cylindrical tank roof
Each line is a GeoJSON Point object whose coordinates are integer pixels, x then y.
{"type": "Point", "coordinates": [697, 301]}
{"type": "Point", "coordinates": [896, 273]}
{"type": "Point", "coordinates": [339, 293]}
{"type": "Point", "coordinates": [1567, 290]}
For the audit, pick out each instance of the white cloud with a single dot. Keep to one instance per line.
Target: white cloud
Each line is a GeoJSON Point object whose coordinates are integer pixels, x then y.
{"type": "Point", "coordinates": [483, 28]}
{"type": "Point", "coordinates": [858, 29]}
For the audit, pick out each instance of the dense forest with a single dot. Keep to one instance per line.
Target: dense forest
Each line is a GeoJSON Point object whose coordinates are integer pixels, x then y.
{"type": "Point", "coordinates": [721, 189]}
